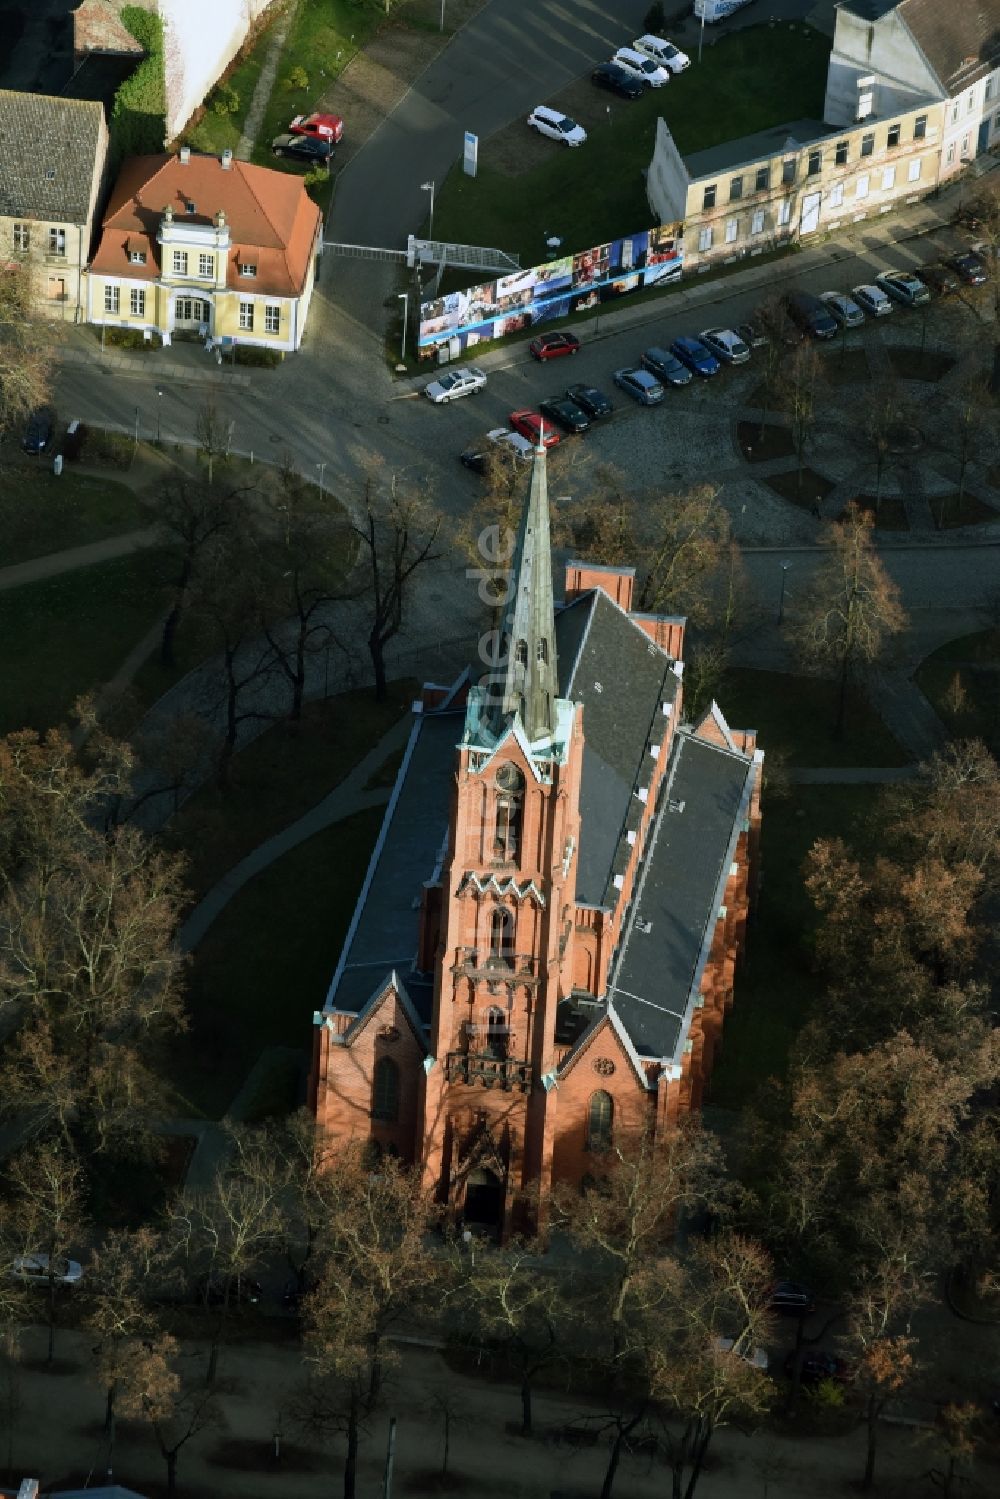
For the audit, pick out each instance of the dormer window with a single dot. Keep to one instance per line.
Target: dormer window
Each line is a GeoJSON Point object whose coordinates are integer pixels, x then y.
{"type": "Point", "coordinates": [247, 268]}
{"type": "Point", "coordinates": [137, 257]}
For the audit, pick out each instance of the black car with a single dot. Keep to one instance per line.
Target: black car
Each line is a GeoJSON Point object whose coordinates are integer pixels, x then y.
{"type": "Point", "coordinates": [811, 314]}
{"type": "Point", "coordinates": [791, 1297]}
{"type": "Point", "coordinates": [303, 148]}
{"type": "Point", "coordinates": [474, 458]}
{"type": "Point", "coordinates": [38, 432]}
{"type": "Point", "coordinates": [666, 367]}
{"type": "Point", "coordinates": [970, 268]}
{"type": "Point", "coordinates": [565, 414]}
{"type": "Point", "coordinates": [591, 400]}
{"type": "Point", "coordinates": [941, 282]}
{"type": "Point", "coordinates": [755, 337]}
{"type": "Point", "coordinates": [817, 1366]}
{"type": "Point", "coordinates": [615, 79]}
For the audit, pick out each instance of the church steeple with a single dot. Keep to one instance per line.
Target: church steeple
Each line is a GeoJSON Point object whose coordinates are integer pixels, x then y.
{"type": "Point", "coordinates": [531, 681]}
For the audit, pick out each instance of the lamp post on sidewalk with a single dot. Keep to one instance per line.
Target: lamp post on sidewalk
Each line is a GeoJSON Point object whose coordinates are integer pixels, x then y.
{"type": "Point", "coordinates": [403, 297]}
{"type": "Point", "coordinates": [781, 597]}
{"type": "Point", "coordinates": [321, 467]}
{"type": "Point", "coordinates": [428, 187]}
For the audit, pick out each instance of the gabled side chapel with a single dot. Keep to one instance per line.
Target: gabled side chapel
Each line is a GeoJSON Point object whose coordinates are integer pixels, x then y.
{"type": "Point", "coordinates": [545, 944]}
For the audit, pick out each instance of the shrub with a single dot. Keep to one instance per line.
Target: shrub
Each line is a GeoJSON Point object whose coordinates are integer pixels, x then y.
{"type": "Point", "coordinates": [297, 78]}
{"type": "Point", "coordinates": [128, 338]}
{"type": "Point", "coordinates": [226, 100]}
{"type": "Point", "coordinates": [265, 359]}
{"type": "Point", "coordinates": [138, 115]}
{"type": "Point", "coordinates": [111, 448]}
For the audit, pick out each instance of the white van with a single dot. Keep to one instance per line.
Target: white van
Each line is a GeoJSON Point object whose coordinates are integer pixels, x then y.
{"type": "Point", "coordinates": [663, 52]}
{"type": "Point", "coordinates": [711, 11]}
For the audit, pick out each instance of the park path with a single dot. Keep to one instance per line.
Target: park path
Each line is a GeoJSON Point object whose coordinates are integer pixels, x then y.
{"type": "Point", "coordinates": [265, 83]}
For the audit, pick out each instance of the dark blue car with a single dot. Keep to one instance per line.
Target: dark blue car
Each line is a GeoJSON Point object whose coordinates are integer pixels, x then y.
{"type": "Point", "coordinates": [667, 369]}
{"type": "Point", "coordinates": [692, 353]}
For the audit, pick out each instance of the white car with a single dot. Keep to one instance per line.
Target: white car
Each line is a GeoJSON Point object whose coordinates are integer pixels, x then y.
{"type": "Point", "coordinates": [558, 127]}
{"type": "Point", "coordinates": [35, 1268]}
{"type": "Point", "coordinates": [644, 68]}
{"type": "Point", "coordinates": [455, 384]}
{"type": "Point", "coordinates": [872, 299]}
{"type": "Point", "coordinates": [511, 442]}
{"type": "Point", "coordinates": [663, 52]}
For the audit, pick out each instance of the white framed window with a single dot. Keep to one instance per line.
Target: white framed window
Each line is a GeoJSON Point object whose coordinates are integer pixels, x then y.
{"type": "Point", "coordinates": [996, 120]}
{"type": "Point", "coordinates": [757, 221]}
{"type": "Point", "coordinates": [950, 158]}
{"type": "Point", "coordinates": [57, 241]}
{"type": "Point", "coordinates": [865, 102]}
{"type": "Point", "coordinates": [861, 187]}
{"type": "Point", "coordinates": [705, 238]}
{"type": "Point", "coordinates": [180, 263]}
{"type": "Point", "coordinates": [206, 265]}
{"type": "Point", "coordinates": [966, 141]}
{"type": "Point", "coordinates": [138, 301]}
{"type": "Point", "coordinates": [246, 316]}
{"type": "Point", "coordinates": [22, 237]}
{"type": "Point", "coordinates": [836, 195]}
{"type": "Point", "coordinates": [137, 257]}
{"type": "Point", "coordinates": [272, 317]}
{"type": "Point", "coordinates": [970, 99]}
{"type": "Point", "coordinates": [112, 299]}
{"type": "Point", "coordinates": [732, 230]}
{"type": "Point", "coordinates": [247, 268]}
{"type": "Point", "coordinates": [784, 212]}
{"type": "Point", "coordinates": [913, 170]}
{"type": "Point", "coordinates": [954, 112]}
{"type": "Point", "coordinates": [988, 90]}
{"type": "Point", "coordinates": [888, 178]}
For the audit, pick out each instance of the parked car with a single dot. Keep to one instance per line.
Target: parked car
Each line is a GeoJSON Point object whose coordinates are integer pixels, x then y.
{"type": "Point", "coordinates": [323, 127]}
{"type": "Point", "coordinates": [511, 442]}
{"type": "Point", "coordinates": [791, 1297]}
{"type": "Point", "coordinates": [666, 367]}
{"type": "Point", "coordinates": [38, 431]}
{"type": "Point", "coordinates": [756, 1357]}
{"type": "Point", "coordinates": [474, 458]}
{"type": "Point", "coordinates": [663, 52]}
{"type": "Point", "coordinates": [811, 314]}
{"type": "Point", "coordinates": [296, 1287]}
{"type": "Point", "coordinates": [726, 345]}
{"type": "Point", "coordinates": [640, 385]}
{"type": "Point", "coordinates": [843, 308]}
{"type": "Point", "coordinates": [969, 267]}
{"type": "Point", "coordinates": [692, 352]}
{"type": "Point", "coordinates": [873, 300]}
{"type": "Point", "coordinates": [35, 1269]}
{"type": "Point", "coordinates": [553, 345]}
{"type": "Point", "coordinates": [565, 413]}
{"type": "Point", "coordinates": [940, 281]}
{"type": "Point", "coordinates": [591, 400]}
{"type": "Point", "coordinates": [557, 126]}
{"type": "Point", "coordinates": [818, 1365]}
{"type": "Point", "coordinates": [903, 287]}
{"type": "Point", "coordinates": [307, 148]}
{"type": "Point", "coordinates": [610, 76]}
{"type": "Point", "coordinates": [753, 335]}
{"type": "Point", "coordinates": [242, 1291]}
{"type": "Point", "coordinates": [466, 381]}
{"type": "Point", "coordinates": [644, 68]}
{"type": "Point", "coordinates": [531, 424]}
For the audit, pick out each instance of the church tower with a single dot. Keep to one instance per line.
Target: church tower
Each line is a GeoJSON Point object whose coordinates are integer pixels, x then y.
{"type": "Point", "coordinates": [504, 952]}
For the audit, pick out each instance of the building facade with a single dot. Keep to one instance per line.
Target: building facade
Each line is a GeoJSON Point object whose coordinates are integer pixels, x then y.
{"type": "Point", "coordinates": [53, 174]}
{"type": "Point", "coordinates": [545, 944]}
{"type": "Point", "coordinates": [209, 246]}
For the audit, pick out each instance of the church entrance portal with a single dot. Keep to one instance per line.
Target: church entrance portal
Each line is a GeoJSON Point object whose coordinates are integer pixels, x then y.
{"type": "Point", "coordinates": [483, 1199]}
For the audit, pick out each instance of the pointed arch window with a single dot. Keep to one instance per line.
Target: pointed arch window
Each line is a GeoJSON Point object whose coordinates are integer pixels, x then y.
{"type": "Point", "coordinates": [496, 1032]}
{"type": "Point", "coordinates": [501, 935]}
{"type": "Point", "coordinates": [521, 653]}
{"type": "Point", "coordinates": [385, 1091]}
{"type": "Point", "coordinates": [509, 807]}
{"type": "Point", "coordinates": [600, 1121]}
{"type": "Point", "coordinates": [542, 652]}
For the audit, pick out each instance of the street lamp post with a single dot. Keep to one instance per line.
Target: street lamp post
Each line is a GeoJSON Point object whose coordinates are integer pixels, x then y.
{"type": "Point", "coordinates": [159, 408]}
{"type": "Point", "coordinates": [428, 187]}
{"type": "Point", "coordinates": [321, 467]}
{"type": "Point", "coordinates": [781, 597]}
{"type": "Point", "coordinates": [441, 27]}
{"type": "Point", "coordinates": [403, 297]}
{"type": "Point", "coordinates": [137, 426]}
{"type": "Point", "coordinates": [701, 34]}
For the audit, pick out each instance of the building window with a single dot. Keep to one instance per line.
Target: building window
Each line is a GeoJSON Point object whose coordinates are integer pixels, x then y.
{"type": "Point", "coordinates": [705, 238]}
{"type": "Point", "coordinates": [510, 800]}
{"type": "Point", "coordinates": [206, 265]}
{"type": "Point", "coordinates": [246, 316]}
{"type": "Point", "coordinates": [888, 179]}
{"type": "Point", "coordinates": [920, 127]}
{"type": "Point", "coordinates": [600, 1121]}
{"type": "Point", "coordinates": [272, 318]}
{"type": "Point", "coordinates": [180, 263]}
{"type": "Point", "coordinates": [246, 269]}
{"type": "Point", "coordinates": [868, 143]}
{"type": "Point", "coordinates": [788, 170]}
{"type": "Point", "coordinates": [496, 1032]}
{"type": "Point", "coordinates": [954, 112]}
{"type": "Point", "coordinates": [892, 139]}
{"type": "Point", "coordinates": [861, 190]}
{"type": "Point", "coordinates": [757, 221]}
{"type": "Point", "coordinates": [996, 120]}
{"type": "Point", "coordinates": [385, 1091]}
{"type": "Point", "coordinates": [112, 299]}
{"type": "Point", "coordinates": [913, 171]}
{"type": "Point", "coordinates": [735, 189]}
{"type": "Point", "coordinates": [966, 141]}
{"type": "Point", "coordinates": [784, 212]}
{"type": "Point", "coordinates": [732, 230]}
{"type": "Point", "coordinates": [841, 152]}
{"type": "Point", "coordinates": [949, 160]}
{"type": "Point", "coordinates": [57, 239]}
{"type": "Point", "coordinates": [815, 163]}
{"type": "Point", "coordinates": [970, 99]}
{"type": "Point", "coordinates": [22, 237]}
{"type": "Point", "coordinates": [988, 90]}
{"type": "Point", "coordinates": [762, 181]}
{"type": "Point", "coordinates": [501, 935]}
{"type": "Point", "coordinates": [865, 104]}
{"type": "Point", "coordinates": [137, 257]}
{"type": "Point", "coordinates": [836, 195]}
{"type": "Point", "coordinates": [138, 302]}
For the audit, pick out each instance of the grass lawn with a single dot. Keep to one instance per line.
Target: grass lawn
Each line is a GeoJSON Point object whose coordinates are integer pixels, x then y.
{"type": "Point", "coordinates": [803, 489]}
{"type": "Point", "coordinates": [279, 777]}
{"type": "Point", "coordinates": [748, 80]}
{"type": "Point", "coordinates": [214, 132]}
{"type": "Point", "coordinates": [265, 965]}
{"type": "Point", "coordinates": [762, 444]}
{"type": "Point", "coordinates": [847, 366]}
{"type": "Point", "coordinates": [69, 634]}
{"type": "Point", "coordinates": [40, 513]}
{"type": "Point", "coordinates": [962, 682]}
{"type": "Point", "coordinates": [891, 512]}
{"type": "Point", "coordinates": [776, 988]}
{"type": "Point", "coordinates": [950, 511]}
{"type": "Point", "coordinates": [911, 364]}
{"type": "Point", "coordinates": [794, 719]}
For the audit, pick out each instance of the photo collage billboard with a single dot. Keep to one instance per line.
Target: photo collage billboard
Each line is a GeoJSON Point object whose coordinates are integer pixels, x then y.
{"type": "Point", "coordinates": [556, 289]}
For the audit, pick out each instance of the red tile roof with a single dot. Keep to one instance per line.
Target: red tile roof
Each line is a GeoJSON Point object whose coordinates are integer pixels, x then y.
{"type": "Point", "coordinates": [272, 220]}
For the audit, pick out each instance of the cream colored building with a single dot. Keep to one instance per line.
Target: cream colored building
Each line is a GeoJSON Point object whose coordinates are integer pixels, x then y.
{"type": "Point", "coordinates": [53, 166]}
{"type": "Point", "coordinates": [792, 181]}
{"type": "Point", "coordinates": [208, 246]}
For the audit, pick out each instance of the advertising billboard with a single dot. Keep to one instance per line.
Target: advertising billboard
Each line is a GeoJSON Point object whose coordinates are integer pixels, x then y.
{"type": "Point", "coordinates": [556, 289]}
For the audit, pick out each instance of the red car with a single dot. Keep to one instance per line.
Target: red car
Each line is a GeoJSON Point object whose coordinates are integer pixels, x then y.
{"type": "Point", "coordinates": [553, 345]}
{"type": "Point", "coordinates": [531, 426]}
{"type": "Point", "coordinates": [322, 127]}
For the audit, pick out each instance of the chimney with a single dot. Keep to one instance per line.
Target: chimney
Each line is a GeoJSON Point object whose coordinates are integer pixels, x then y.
{"type": "Point", "coordinates": [185, 155]}
{"type": "Point", "coordinates": [227, 157]}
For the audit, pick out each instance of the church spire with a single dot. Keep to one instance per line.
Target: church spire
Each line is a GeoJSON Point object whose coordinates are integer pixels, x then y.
{"type": "Point", "coordinates": [531, 683]}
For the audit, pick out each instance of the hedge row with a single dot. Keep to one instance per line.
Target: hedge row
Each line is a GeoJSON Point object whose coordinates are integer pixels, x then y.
{"type": "Point", "coordinates": [138, 117]}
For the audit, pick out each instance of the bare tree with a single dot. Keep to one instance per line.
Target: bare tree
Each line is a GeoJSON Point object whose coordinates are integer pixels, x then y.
{"type": "Point", "coordinates": [974, 414]}
{"type": "Point", "coordinates": [176, 1409]}
{"type": "Point", "coordinates": [798, 380]}
{"type": "Point", "coordinates": [214, 434]}
{"type": "Point", "coordinates": [190, 516]}
{"type": "Point", "coordinates": [882, 413]}
{"type": "Point", "coordinates": [398, 534]}
{"type": "Point", "coordinates": [49, 1214]}
{"type": "Point", "coordinates": [26, 346]}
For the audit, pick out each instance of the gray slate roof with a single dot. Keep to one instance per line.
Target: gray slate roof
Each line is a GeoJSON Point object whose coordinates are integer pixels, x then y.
{"type": "Point", "coordinates": [607, 663]}
{"type": "Point", "coordinates": [959, 38]}
{"type": "Point", "coordinates": [48, 148]}
{"type": "Point", "coordinates": [789, 136]}
{"type": "Point", "coordinates": [675, 907]}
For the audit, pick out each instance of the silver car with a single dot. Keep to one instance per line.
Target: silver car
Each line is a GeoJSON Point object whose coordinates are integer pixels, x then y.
{"type": "Point", "coordinates": [872, 299]}
{"type": "Point", "coordinates": [904, 287]}
{"type": "Point", "coordinates": [843, 308]}
{"type": "Point", "coordinates": [511, 442]}
{"type": "Point", "coordinates": [36, 1269]}
{"type": "Point", "coordinates": [726, 345]}
{"type": "Point", "coordinates": [455, 384]}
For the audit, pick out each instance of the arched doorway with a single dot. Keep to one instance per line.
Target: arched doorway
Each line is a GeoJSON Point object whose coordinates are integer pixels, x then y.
{"type": "Point", "coordinates": [483, 1199]}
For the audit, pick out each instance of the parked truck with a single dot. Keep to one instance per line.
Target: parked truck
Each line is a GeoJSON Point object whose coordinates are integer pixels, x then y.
{"type": "Point", "coordinates": [710, 11]}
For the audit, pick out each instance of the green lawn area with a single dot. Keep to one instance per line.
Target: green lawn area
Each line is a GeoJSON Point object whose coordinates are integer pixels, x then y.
{"type": "Point", "coordinates": [747, 81]}
{"type": "Point", "coordinates": [962, 682]}
{"type": "Point", "coordinates": [794, 718]}
{"type": "Point", "coordinates": [265, 965]}
{"type": "Point", "coordinates": [40, 513]}
{"type": "Point", "coordinates": [214, 131]}
{"type": "Point", "coordinates": [776, 987]}
{"type": "Point", "coordinates": [280, 776]}
{"type": "Point", "coordinates": [69, 634]}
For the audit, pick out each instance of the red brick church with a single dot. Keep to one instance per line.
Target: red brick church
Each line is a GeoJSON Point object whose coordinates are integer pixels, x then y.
{"type": "Point", "coordinates": [544, 947]}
